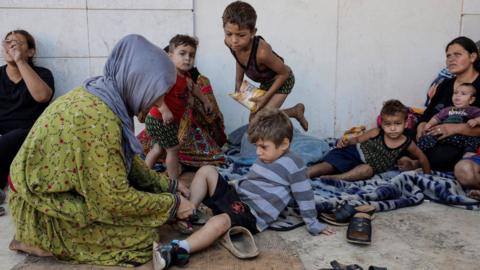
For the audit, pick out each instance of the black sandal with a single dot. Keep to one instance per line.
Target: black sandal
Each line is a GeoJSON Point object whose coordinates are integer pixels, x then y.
{"type": "Point", "coordinates": [344, 213]}
{"type": "Point", "coordinates": [2, 211]}
{"type": "Point", "coordinates": [338, 266]}
{"type": "Point", "coordinates": [360, 229]}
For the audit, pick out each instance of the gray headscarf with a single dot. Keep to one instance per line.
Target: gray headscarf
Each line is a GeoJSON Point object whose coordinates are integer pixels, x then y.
{"type": "Point", "coordinates": [135, 75]}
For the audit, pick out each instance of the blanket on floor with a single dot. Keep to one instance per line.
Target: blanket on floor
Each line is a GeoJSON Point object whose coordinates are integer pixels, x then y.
{"type": "Point", "coordinates": [387, 191]}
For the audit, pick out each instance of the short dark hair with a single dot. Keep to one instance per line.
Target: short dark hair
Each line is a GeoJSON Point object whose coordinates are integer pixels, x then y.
{"type": "Point", "coordinates": [470, 85]}
{"type": "Point", "coordinates": [469, 46]}
{"type": "Point", "coordinates": [179, 40]}
{"type": "Point", "coordinates": [241, 14]}
{"type": "Point", "coordinates": [270, 124]}
{"type": "Point", "coordinates": [392, 107]}
{"type": "Point", "coordinates": [28, 37]}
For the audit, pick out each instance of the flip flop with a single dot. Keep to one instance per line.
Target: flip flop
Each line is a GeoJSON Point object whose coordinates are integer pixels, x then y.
{"type": "Point", "coordinates": [344, 213]}
{"type": "Point", "coordinates": [360, 229]}
{"type": "Point", "coordinates": [338, 266]}
{"type": "Point", "coordinates": [376, 268]}
{"type": "Point", "coordinates": [239, 241]}
{"type": "Point", "coordinates": [198, 218]}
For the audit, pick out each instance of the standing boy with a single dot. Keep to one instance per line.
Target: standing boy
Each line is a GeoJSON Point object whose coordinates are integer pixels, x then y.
{"type": "Point", "coordinates": [162, 122]}
{"type": "Point", "coordinates": [258, 61]}
{"type": "Point", "coordinates": [277, 177]}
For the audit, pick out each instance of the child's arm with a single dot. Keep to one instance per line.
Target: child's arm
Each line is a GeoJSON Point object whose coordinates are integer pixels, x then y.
{"type": "Point", "coordinates": [197, 93]}
{"type": "Point", "coordinates": [420, 156]}
{"type": "Point", "coordinates": [303, 194]}
{"type": "Point", "coordinates": [473, 122]}
{"type": "Point", "coordinates": [239, 74]}
{"type": "Point", "coordinates": [167, 115]}
{"type": "Point", "coordinates": [359, 139]}
{"type": "Point", "coordinates": [266, 57]}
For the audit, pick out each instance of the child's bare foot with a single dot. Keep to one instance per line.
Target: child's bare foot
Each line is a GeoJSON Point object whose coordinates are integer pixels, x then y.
{"type": "Point", "coordinates": [474, 194]}
{"type": "Point", "coordinates": [297, 112]}
{"type": "Point", "coordinates": [33, 250]}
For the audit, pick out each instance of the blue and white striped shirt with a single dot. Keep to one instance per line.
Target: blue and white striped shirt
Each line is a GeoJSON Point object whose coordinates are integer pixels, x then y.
{"type": "Point", "coordinates": [268, 189]}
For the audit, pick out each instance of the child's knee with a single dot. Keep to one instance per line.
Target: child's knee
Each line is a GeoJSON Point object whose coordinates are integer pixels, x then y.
{"type": "Point", "coordinates": [173, 149]}
{"type": "Point", "coordinates": [464, 172]}
{"type": "Point", "coordinates": [221, 223]}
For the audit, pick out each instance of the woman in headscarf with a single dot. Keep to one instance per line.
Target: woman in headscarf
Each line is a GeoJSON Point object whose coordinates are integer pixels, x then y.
{"type": "Point", "coordinates": [79, 190]}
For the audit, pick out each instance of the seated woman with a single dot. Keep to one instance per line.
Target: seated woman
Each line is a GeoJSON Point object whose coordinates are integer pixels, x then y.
{"type": "Point", "coordinates": [93, 200]}
{"type": "Point", "coordinates": [25, 91]}
{"type": "Point", "coordinates": [463, 61]}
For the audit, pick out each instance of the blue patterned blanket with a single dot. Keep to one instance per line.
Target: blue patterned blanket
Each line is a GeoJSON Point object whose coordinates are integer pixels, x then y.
{"type": "Point", "coordinates": [388, 191]}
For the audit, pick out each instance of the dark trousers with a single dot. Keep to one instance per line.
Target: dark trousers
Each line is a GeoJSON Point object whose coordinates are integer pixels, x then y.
{"type": "Point", "coordinates": [10, 143]}
{"type": "Point", "coordinates": [443, 157]}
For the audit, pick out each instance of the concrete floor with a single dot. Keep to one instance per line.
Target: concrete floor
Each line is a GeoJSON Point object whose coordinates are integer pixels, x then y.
{"type": "Point", "coordinates": [426, 237]}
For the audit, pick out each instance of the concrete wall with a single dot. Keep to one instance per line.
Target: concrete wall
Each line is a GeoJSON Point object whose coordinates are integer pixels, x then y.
{"type": "Point", "coordinates": [348, 55]}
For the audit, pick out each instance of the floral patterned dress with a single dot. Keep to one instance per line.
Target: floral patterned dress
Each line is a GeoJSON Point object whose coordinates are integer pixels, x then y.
{"type": "Point", "coordinates": [73, 196]}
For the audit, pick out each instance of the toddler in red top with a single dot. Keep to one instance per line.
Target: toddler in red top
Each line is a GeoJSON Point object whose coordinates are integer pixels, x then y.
{"type": "Point", "coordinates": [164, 117]}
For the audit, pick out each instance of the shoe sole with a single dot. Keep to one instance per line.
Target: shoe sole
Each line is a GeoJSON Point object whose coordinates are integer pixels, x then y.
{"type": "Point", "coordinates": [158, 262]}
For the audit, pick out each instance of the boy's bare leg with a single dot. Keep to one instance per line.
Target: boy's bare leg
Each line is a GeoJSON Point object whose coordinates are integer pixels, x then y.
{"type": "Point", "coordinates": [297, 112]}
{"type": "Point", "coordinates": [320, 169]}
{"type": "Point", "coordinates": [209, 233]}
{"type": "Point", "coordinates": [360, 172]}
{"type": "Point", "coordinates": [205, 180]}
{"type": "Point", "coordinates": [173, 166]}
{"type": "Point", "coordinates": [29, 249]}
{"type": "Point", "coordinates": [153, 155]}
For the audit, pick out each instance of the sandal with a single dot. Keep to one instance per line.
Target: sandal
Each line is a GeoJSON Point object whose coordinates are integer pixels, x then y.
{"type": "Point", "coordinates": [376, 268]}
{"type": "Point", "coordinates": [344, 212]}
{"type": "Point", "coordinates": [183, 227]}
{"type": "Point", "coordinates": [239, 241]}
{"type": "Point", "coordinates": [198, 218]}
{"type": "Point", "coordinates": [338, 266]}
{"type": "Point", "coordinates": [360, 229]}
{"type": "Point", "coordinates": [2, 211]}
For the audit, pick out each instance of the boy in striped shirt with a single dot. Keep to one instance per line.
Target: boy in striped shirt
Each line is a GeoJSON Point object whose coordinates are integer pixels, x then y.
{"type": "Point", "coordinates": [254, 202]}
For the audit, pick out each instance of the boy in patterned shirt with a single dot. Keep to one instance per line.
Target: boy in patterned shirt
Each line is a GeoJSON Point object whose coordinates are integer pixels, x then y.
{"type": "Point", "coordinates": [373, 152]}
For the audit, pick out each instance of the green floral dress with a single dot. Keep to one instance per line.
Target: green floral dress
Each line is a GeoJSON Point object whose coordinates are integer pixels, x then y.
{"type": "Point", "coordinates": [73, 196]}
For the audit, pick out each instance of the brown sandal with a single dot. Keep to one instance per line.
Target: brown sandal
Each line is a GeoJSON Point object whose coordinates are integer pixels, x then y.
{"type": "Point", "coordinates": [239, 241]}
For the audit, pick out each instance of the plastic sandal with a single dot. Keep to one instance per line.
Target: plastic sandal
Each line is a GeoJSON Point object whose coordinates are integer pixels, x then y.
{"type": "Point", "coordinates": [338, 266]}
{"type": "Point", "coordinates": [376, 268]}
{"type": "Point", "coordinates": [360, 229]}
{"type": "Point", "coordinates": [344, 212]}
{"type": "Point", "coordinates": [239, 241]}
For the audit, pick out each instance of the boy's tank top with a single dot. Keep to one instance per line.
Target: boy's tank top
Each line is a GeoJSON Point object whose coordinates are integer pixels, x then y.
{"type": "Point", "coordinates": [378, 155]}
{"type": "Point", "coordinates": [251, 70]}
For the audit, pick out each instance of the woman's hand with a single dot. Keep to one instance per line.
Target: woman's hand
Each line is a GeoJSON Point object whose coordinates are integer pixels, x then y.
{"type": "Point", "coordinates": [17, 54]}
{"type": "Point", "coordinates": [442, 131]}
{"type": "Point", "coordinates": [185, 209]}
{"type": "Point", "coordinates": [421, 130]}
